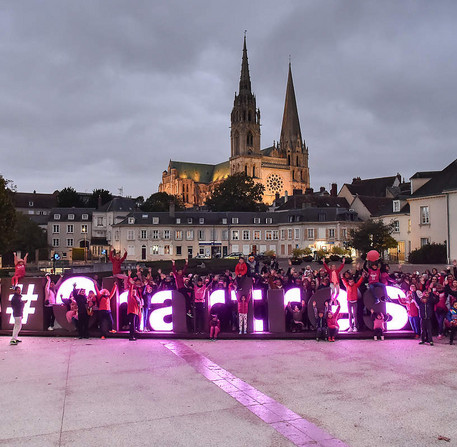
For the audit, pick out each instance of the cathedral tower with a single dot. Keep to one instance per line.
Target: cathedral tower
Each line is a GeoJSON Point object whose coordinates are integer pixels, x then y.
{"type": "Point", "coordinates": [291, 144]}
{"type": "Point", "coordinates": [245, 126]}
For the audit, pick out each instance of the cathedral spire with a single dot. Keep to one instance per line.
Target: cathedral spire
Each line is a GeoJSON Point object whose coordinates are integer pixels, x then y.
{"type": "Point", "coordinates": [245, 79]}
{"type": "Point", "coordinates": [290, 131]}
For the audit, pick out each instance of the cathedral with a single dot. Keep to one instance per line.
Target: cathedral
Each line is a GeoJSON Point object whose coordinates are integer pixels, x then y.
{"type": "Point", "coordinates": [281, 168]}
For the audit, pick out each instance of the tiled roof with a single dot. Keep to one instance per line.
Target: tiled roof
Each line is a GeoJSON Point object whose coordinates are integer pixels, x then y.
{"type": "Point", "coordinates": [23, 200]}
{"type": "Point", "coordinates": [65, 212]}
{"type": "Point", "coordinates": [313, 200]}
{"type": "Point", "coordinates": [440, 182]}
{"type": "Point", "coordinates": [375, 187]}
{"type": "Point", "coordinates": [119, 204]}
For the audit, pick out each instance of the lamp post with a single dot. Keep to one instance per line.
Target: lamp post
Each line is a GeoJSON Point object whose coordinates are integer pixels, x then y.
{"type": "Point", "coordinates": [84, 231]}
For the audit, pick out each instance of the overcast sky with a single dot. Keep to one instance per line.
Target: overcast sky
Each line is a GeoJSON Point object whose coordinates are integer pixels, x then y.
{"type": "Point", "coordinates": [102, 94]}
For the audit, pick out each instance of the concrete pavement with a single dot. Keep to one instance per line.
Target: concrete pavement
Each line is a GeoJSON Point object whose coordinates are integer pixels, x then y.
{"type": "Point", "coordinates": [67, 392]}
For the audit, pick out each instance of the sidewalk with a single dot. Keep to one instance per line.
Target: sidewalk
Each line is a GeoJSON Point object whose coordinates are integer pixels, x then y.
{"type": "Point", "coordinates": [71, 392]}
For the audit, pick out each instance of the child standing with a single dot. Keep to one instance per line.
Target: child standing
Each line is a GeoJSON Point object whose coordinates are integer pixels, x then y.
{"type": "Point", "coordinates": [214, 327]}
{"type": "Point", "coordinates": [19, 269]}
{"type": "Point", "coordinates": [332, 323]}
{"type": "Point", "coordinates": [379, 324]}
{"type": "Point", "coordinates": [426, 310]}
{"type": "Point", "coordinates": [243, 304]}
{"type": "Point", "coordinates": [321, 322]}
{"type": "Point", "coordinates": [333, 274]}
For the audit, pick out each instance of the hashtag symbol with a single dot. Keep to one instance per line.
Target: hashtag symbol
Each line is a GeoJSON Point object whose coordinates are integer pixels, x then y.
{"type": "Point", "coordinates": [29, 298]}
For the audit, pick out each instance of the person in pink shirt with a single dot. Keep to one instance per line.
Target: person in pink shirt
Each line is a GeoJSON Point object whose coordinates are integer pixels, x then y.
{"type": "Point", "coordinates": [352, 289]}
{"type": "Point", "coordinates": [243, 304]}
{"type": "Point", "coordinates": [19, 269]}
{"type": "Point", "coordinates": [379, 324]}
{"type": "Point", "coordinates": [333, 274]}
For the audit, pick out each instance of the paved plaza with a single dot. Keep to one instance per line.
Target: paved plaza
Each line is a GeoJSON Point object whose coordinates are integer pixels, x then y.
{"type": "Point", "coordinates": [360, 393]}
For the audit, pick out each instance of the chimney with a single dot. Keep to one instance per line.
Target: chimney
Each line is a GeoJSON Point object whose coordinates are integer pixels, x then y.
{"type": "Point", "coordinates": [297, 192]}
{"type": "Point", "coordinates": [286, 197]}
{"type": "Point", "coordinates": [309, 191]}
{"type": "Point", "coordinates": [322, 189]}
{"type": "Point", "coordinates": [172, 209]}
{"type": "Point", "coordinates": [277, 196]}
{"type": "Point", "coordinates": [99, 203]}
{"type": "Point", "coordinates": [333, 191]}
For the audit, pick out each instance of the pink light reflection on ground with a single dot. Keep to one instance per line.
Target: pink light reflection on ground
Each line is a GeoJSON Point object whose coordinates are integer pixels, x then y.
{"type": "Point", "coordinates": [291, 425]}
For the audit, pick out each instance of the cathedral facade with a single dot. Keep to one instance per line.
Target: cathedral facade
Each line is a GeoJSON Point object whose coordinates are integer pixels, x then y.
{"type": "Point", "coordinates": [281, 168]}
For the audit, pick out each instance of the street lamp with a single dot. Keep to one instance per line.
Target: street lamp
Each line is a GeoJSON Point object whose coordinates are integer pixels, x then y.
{"type": "Point", "coordinates": [84, 231]}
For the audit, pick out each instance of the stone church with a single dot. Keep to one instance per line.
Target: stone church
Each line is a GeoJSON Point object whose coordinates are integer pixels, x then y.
{"type": "Point", "coordinates": [281, 168]}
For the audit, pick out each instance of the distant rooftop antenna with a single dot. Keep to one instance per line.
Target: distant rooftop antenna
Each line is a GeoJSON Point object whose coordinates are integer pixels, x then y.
{"type": "Point", "coordinates": [121, 191]}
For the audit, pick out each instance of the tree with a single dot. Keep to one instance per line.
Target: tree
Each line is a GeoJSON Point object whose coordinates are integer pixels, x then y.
{"type": "Point", "coordinates": [7, 215]}
{"type": "Point", "coordinates": [27, 236]}
{"type": "Point", "coordinates": [237, 192]}
{"type": "Point", "coordinates": [429, 254]}
{"type": "Point", "coordinates": [105, 195]}
{"type": "Point", "coordinates": [373, 235]}
{"type": "Point", "coordinates": [68, 197]}
{"type": "Point", "coordinates": [160, 201]}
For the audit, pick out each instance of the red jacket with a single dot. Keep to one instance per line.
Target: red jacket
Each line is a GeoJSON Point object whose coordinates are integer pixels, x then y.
{"type": "Point", "coordinates": [133, 303]}
{"type": "Point", "coordinates": [351, 291]}
{"type": "Point", "coordinates": [332, 323]}
{"type": "Point", "coordinates": [117, 263]}
{"type": "Point", "coordinates": [241, 269]}
{"type": "Point", "coordinates": [243, 305]}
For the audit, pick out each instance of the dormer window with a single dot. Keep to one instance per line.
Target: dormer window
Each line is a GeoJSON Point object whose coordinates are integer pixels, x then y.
{"type": "Point", "coordinates": [71, 217]}
{"type": "Point", "coordinates": [131, 220]}
{"type": "Point", "coordinates": [396, 206]}
{"type": "Point", "coordinates": [201, 220]}
{"type": "Point", "coordinates": [189, 220]}
{"type": "Point", "coordinates": [155, 220]}
{"type": "Point", "coordinates": [56, 216]}
{"type": "Point", "coordinates": [30, 203]}
{"type": "Point", "coordinates": [178, 220]}
{"type": "Point", "coordinates": [85, 217]}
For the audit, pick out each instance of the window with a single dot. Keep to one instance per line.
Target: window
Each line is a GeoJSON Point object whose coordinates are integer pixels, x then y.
{"type": "Point", "coordinates": [71, 217]}
{"type": "Point", "coordinates": [154, 250]}
{"type": "Point", "coordinates": [201, 220]}
{"type": "Point", "coordinates": [178, 235]}
{"type": "Point", "coordinates": [256, 220]}
{"type": "Point", "coordinates": [55, 242]}
{"type": "Point", "coordinates": [84, 228]}
{"type": "Point", "coordinates": [257, 235]}
{"type": "Point", "coordinates": [425, 216]}
{"type": "Point", "coordinates": [235, 220]}
{"type": "Point", "coordinates": [143, 234]}
{"type": "Point", "coordinates": [235, 235]}
{"type": "Point", "coordinates": [213, 234]}
{"type": "Point", "coordinates": [201, 235]}
{"type": "Point", "coordinates": [291, 218]}
{"type": "Point", "coordinates": [224, 221]}
{"type": "Point", "coordinates": [99, 221]}
{"type": "Point", "coordinates": [225, 235]}
{"type": "Point", "coordinates": [178, 220]}
{"type": "Point", "coordinates": [56, 216]}
{"type": "Point", "coordinates": [425, 241]}
{"type": "Point", "coordinates": [289, 233]}
{"type": "Point", "coordinates": [190, 235]}
{"type": "Point", "coordinates": [166, 250]}
{"type": "Point", "coordinates": [283, 234]}
{"type": "Point", "coordinates": [178, 250]}
{"type": "Point", "coordinates": [155, 220]}
{"type": "Point", "coordinates": [310, 233]}
{"type": "Point", "coordinates": [70, 228]}
{"type": "Point", "coordinates": [130, 235]}
{"type": "Point", "coordinates": [56, 229]}
{"type": "Point", "coordinates": [166, 234]}
{"type": "Point", "coordinates": [246, 235]}
{"type": "Point", "coordinates": [70, 242]}
{"type": "Point", "coordinates": [116, 235]}
{"type": "Point", "coordinates": [331, 233]}
{"type": "Point", "coordinates": [268, 235]}
{"type": "Point", "coordinates": [155, 234]}
{"type": "Point", "coordinates": [131, 220]}
{"type": "Point", "coordinates": [30, 203]}
{"type": "Point", "coordinates": [344, 233]}
{"type": "Point", "coordinates": [396, 226]}
{"type": "Point", "coordinates": [269, 220]}
{"type": "Point", "coordinates": [409, 226]}
{"type": "Point", "coordinates": [396, 206]}
{"type": "Point", "coordinates": [275, 235]}
{"type": "Point", "coordinates": [297, 233]}
{"type": "Point", "coordinates": [189, 220]}
{"type": "Point", "coordinates": [85, 217]}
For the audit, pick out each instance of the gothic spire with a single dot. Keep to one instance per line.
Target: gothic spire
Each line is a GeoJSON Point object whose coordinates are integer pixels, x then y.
{"type": "Point", "coordinates": [290, 131]}
{"type": "Point", "coordinates": [245, 79]}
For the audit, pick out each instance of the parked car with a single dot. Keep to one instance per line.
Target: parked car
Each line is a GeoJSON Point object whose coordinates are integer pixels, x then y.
{"type": "Point", "coordinates": [234, 255]}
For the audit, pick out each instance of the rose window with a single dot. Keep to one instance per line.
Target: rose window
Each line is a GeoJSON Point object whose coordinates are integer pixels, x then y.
{"type": "Point", "coordinates": [274, 183]}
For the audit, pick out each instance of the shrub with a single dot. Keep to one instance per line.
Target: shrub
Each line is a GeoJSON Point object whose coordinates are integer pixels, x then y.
{"type": "Point", "coordinates": [429, 254]}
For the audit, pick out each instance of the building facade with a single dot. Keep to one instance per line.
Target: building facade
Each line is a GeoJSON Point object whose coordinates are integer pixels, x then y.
{"type": "Point", "coordinates": [281, 168]}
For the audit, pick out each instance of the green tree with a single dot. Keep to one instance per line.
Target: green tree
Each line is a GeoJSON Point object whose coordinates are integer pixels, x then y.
{"type": "Point", "coordinates": [372, 235]}
{"type": "Point", "coordinates": [238, 192]}
{"type": "Point", "coordinates": [7, 215]}
{"type": "Point", "coordinates": [105, 195]}
{"type": "Point", "coordinates": [27, 236]}
{"type": "Point", "coordinates": [68, 197]}
{"type": "Point", "coordinates": [160, 201]}
{"type": "Point", "coordinates": [429, 254]}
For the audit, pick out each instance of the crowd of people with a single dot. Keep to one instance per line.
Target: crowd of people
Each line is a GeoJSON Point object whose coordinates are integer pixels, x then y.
{"type": "Point", "coordinates": [430, 298]}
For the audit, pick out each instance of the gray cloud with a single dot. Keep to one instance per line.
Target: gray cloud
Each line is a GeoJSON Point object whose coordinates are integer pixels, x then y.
{"type": "Point", "coordinates": [103, 94]}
